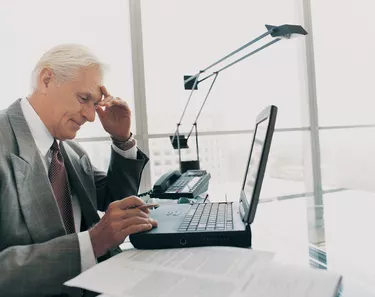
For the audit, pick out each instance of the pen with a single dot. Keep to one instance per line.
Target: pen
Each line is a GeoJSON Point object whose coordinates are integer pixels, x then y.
{"type": "Point", "coordinates": [151, 205]}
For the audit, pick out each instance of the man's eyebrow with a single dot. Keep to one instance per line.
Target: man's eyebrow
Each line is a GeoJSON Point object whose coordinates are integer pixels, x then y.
{"type": "Point", "coordinates": [90, 97]}
{"type": "Point", "coordinates": [86, 94]}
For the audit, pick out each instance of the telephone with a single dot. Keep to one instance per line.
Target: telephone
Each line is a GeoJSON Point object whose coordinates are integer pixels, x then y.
{"type": "Point", "coordinates": [174, 185]}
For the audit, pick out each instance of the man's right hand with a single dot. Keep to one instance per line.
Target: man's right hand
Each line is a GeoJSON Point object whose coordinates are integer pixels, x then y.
{"type": "Point", "coordinates": [120, 220]}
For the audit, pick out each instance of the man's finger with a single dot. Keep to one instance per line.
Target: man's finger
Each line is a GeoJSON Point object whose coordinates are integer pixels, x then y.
{"type": "Point", "coordinates": [136, 212]}
{"type": "Point", "coordinates": [100, 111]}
{"type": "Point", "coordinates": [106, 100]}
{"type": "Point", "coordinates": [108, 104]}
{"type": "Point", "coordinates": [154, 222]}
{"type": "Point", "coordinates": [144, 209]}
{"type": "Point", "coordinates": [138, 221]}
{"type": "Point", "coordinates": [130, 202]}
{"type": "Point", "coordinates": [136, 229]}
{"type": "Point", "coordinates": [120, 103]}
{"type": "Point", "coordinates": [111, 101]}
{"type": "Point", "coordinates": [104, 91]}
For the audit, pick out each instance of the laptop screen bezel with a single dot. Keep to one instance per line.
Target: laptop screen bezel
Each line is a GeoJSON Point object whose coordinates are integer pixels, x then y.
{"type": "Point", "coordinates": [248, 211]}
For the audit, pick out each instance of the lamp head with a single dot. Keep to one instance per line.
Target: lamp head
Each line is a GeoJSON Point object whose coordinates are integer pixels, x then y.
{"type": "Point", "coordinates": [286, 31]}
{"type": "Point", "coordinates": [175, 140]}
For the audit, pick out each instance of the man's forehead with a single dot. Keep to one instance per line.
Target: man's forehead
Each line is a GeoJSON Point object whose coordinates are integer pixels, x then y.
{"type": "Point", "coordinates": [91, 77]}
{"type": "Point", "coordinates": [89, 82]}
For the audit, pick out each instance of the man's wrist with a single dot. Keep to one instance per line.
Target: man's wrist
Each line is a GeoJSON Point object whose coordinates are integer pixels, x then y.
{"type": "Point", "coordinates": [124, 144]}
{"type": "Point", "coordinates": [121, 139]}
{"type": "Point", "coordinates": [97, 246]}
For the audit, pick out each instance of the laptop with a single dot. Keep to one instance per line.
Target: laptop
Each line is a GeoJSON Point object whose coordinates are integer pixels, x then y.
{"type": "Point", "coordinates": [219, 223]}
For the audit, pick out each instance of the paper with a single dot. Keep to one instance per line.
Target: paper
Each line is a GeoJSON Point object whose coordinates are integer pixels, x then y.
{"type": "Point", "coordinates": [215, 271]}
{"type": "Point", "coordinates": [204, 271]}
{"type": "Point", "coordinates": [277, 280]}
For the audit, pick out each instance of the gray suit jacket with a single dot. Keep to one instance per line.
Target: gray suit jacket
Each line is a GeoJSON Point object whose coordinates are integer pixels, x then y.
{"type": "Point", "coordinates": [36, 255]}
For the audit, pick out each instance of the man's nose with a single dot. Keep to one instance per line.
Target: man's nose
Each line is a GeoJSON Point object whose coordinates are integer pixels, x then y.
{"type": "Point", "coordinates": [89, 112]}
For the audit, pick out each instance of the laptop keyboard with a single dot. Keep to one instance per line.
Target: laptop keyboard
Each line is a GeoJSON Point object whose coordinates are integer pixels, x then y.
{"type": "Point", "coordinates": [208, 216]}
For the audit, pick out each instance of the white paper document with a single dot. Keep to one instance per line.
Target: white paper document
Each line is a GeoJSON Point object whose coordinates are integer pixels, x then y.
{"type": "Point", "coordinates": [203, 271]}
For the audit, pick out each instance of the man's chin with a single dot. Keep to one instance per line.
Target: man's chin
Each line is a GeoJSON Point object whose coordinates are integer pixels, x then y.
{"type": "Point", "coordinates": [69, 136]}
{"type": "Point", "coordinates": [72, 136]}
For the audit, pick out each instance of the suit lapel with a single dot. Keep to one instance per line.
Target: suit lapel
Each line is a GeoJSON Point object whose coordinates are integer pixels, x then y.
{"type": "Point", "coordinates": [35, 195]}
{"type": "Point", "coordinates": [80, 178]}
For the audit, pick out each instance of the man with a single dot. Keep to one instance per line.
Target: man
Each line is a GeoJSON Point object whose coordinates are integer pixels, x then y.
{"type": "Point", "coordinates": [50, 192]}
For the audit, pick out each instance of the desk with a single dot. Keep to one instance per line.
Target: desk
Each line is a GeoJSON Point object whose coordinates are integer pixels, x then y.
{"type": "Point", "coordinates": [349, 249]}
{"type": "Point", "coordinates": [349, 241]}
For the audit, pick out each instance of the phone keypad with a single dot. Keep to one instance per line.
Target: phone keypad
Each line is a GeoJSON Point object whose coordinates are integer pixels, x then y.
{"type": "Point", "coordinates": [184, 185]}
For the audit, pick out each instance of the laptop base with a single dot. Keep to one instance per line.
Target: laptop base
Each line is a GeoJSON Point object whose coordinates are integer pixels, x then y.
{"type": "Point", "coordinates": [192, 239]}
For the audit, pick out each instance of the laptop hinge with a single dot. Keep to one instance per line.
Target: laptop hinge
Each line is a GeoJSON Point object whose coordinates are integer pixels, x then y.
{"type": "Point", "coordinates": [242, 212]}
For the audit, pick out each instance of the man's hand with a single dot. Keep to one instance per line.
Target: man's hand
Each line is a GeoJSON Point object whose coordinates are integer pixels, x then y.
{"type": "Point", "coordinates": [116, 117]}
{"type": "Point", "coordinates": [120, 220]}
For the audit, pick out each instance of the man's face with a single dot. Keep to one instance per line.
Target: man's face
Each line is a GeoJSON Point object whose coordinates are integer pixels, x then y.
{"type": "Point", "coordinates": [72, 103]}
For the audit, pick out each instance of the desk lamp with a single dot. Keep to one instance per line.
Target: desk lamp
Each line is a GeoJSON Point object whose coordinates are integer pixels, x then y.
{"type": "Point", "coordinates": [191, 82]}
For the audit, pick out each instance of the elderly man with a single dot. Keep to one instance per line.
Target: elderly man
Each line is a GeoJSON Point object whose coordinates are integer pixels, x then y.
{"type": "Point", "coordinates": [50, 192]}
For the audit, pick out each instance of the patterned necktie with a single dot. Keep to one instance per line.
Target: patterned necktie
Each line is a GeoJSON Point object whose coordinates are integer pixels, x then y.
{"type": "Point", "coordinates": [59, 181]}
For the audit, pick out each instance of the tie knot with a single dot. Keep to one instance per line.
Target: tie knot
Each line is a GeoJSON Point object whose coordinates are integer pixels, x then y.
{"type": "Point", "coordinates": [55, 146]}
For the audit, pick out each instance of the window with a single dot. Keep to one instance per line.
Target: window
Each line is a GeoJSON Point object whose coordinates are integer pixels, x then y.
{"type": "Point", "coordinates": [26, 36]}
{"type": "Point", "coordinates": [344, 62]}
{"type": "Point", "coordinates": [99, 153]}
{"type": "Point", "coordinates": [219, 27]}
{"type": "Point", "coordinates": [347, 158]}
{"type": "Point", "coordinates": [284, 175]}
{"type": "Point", "coordinates": [275, 76]}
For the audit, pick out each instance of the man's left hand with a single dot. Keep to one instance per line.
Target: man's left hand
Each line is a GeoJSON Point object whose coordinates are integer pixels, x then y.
{"type": "Point", "coordinates": [115, 116]}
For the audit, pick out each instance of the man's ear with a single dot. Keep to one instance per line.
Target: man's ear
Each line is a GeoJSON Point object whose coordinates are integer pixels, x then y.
{"type": "Point", "coordinates": [45, 78]}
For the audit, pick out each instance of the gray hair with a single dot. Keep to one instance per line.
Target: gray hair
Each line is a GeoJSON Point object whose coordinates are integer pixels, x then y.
{"type": "Point", "coordinates": [65, 61]}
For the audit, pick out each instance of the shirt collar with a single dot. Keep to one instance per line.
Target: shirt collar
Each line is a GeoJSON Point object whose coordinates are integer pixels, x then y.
{"type": "Point", "coordinates": [42, 137]}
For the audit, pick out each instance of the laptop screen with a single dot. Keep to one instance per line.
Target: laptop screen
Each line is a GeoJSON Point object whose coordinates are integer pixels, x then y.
{"type": "Point", "coordinates": [253, 165]}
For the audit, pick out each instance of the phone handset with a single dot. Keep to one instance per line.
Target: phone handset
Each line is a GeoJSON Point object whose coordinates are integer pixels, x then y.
{"type": "Point", "coordinates": [165, 181]}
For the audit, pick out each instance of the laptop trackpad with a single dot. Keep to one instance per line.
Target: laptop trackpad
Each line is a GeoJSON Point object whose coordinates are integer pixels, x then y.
{"type": "Point", "coordinates": [169, 217]}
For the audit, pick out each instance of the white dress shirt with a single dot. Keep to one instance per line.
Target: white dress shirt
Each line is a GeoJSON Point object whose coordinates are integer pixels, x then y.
{"type": "Point", "coordinates": [44, 140]}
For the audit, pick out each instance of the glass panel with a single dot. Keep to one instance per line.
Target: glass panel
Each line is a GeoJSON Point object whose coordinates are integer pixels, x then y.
{"type": "Point", "coordinates": [225, 157]}
{"type": "Point", "coordinates": [200, 37]}
{"type": "Point", "coordinates": [344, 61]}
{"type": "Point", "coordinates": [347, 157]}
{"type": "Point", "coordinates": [29, 28]}
{"type": "Point", "coordinates": [281, 228]}
{"type": "Point", "coordinates": [348, 246]}
{"type": "Point", "coordinates": [99, 153]}
{"type": "Point", "coordinates": [348, 165]}
{"type": "Point", "coordinates": [350, 242]}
